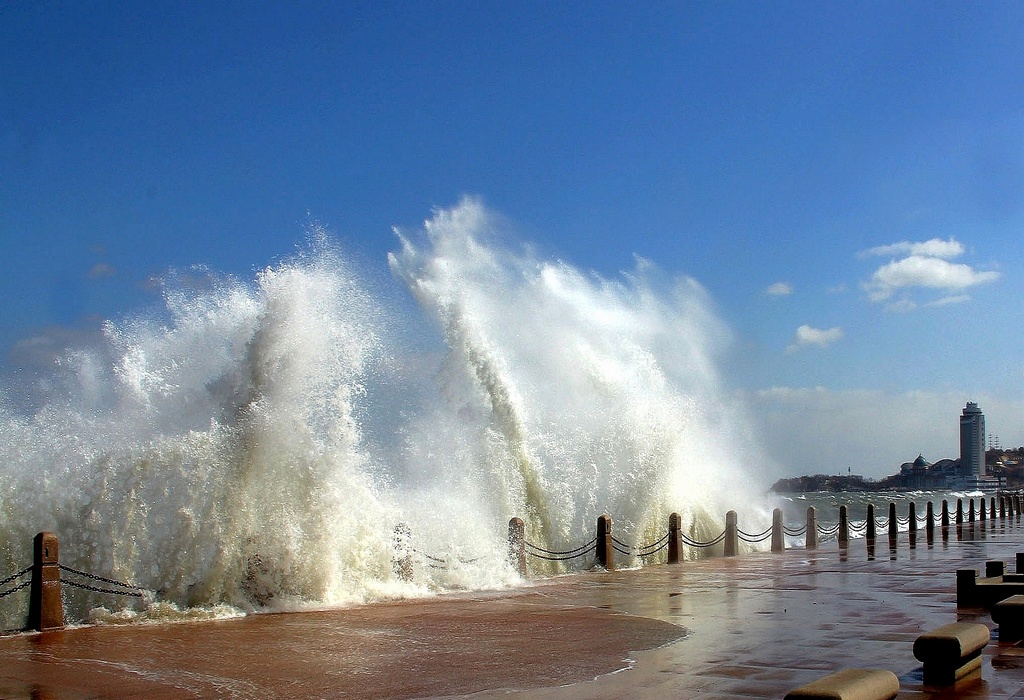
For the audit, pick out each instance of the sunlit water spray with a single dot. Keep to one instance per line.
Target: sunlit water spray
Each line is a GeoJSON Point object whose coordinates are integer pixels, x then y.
{"type": "Point", "coordinates": [255, 445]}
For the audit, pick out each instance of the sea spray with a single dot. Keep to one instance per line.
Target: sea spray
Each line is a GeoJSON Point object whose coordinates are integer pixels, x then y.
{"type": "Point", "coordinates": [259, 444]}
{"type": "Point", "coordinates": [214, 455]}
{"type": "Point", "coordinates": [587, 395]}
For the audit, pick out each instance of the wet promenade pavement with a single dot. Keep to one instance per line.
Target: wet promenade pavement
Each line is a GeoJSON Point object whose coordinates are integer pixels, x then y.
{"type": "Point", "coordinates": [752, 626]}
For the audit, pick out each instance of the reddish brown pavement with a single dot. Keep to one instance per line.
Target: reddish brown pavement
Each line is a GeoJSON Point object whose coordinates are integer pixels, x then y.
{"type": "Point", "coordinates": [754, 626]}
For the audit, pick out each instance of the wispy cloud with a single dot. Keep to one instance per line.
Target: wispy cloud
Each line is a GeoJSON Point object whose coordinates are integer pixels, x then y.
{"type": "Point", "coordinates": [100, 270]}
{"type": "Point", "coordinates": [950, 300]}
{"type": "Point", "coordinates": [809, 336]}
{"type": "Point", "coordinates": [933, 248]}
{"type": "Point", "coordinates": [779, 289]}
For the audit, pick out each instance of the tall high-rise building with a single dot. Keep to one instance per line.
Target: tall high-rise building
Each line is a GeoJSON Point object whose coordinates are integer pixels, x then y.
{"type": "Point", "coordinates": [972, 440]}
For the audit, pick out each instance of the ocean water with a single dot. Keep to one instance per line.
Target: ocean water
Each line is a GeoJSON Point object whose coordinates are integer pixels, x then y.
{"type": "Point", "coordinates": [827, 504]}
{"type": "Point", "coordinates": [254, 444]}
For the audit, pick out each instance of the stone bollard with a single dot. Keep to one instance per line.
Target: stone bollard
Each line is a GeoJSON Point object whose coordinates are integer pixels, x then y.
{"type": "Point", "coordinates": [981, 512]}
{"type": "Point", "coordinates": [893, 525]}
{"type": "Point", "coordinates": [778, 535]}
{"type": "Point", "coordinates": [945, 514]}
{"type": "Point", "coordinates": [930, 524]}
{"type": "Point", "coordinates": [675, 538]}
{"type": "Point", "coordinates": [1009, 507]}
{"type": "Point", "coordinates": [912, 516]}
{"type": "Point", "coordinates": [870, 521]}
{"type": "Point", "coordinates": [46, 608]}
{"type": "Point", "coordinates": [517, 545]}
{"type": "Point", "coordinates": [959, 512]}
{"type": "Point", "coordinates": [605, 546]}
{"type": "Point", "coordinates": [731, 534]}
{"type": "Point", "coordinates": [992, 508]}
{"type": "Point", "coordinates": [970, 511]}
{"type": "Point", "coordinates": [844, 528]}
{"type": "Point", "coordinates": [811, 538]}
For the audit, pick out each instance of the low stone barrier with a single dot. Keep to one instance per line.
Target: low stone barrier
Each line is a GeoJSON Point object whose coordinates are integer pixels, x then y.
{"type": "Point", "coordinates": [1009, 615]}
{"type": "Point", "coordinates": [850, 684]}
{"type": "Point", "coordinates": [951, 652]}
{"type": "Point", "coordinates": [974, 591]}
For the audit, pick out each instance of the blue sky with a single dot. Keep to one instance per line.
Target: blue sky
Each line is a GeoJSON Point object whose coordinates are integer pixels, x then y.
{"type": "Point", "coordinates": [845, 179]}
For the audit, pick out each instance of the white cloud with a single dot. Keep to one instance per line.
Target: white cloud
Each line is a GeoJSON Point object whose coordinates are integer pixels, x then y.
{"type": "Point", "coordinates": [779, 289]}
{"type": "Point", "coordinates": [807, 335]}
{"type": "Point", "coordinates": [934, 248]}
{"type": "Point", "coordinates": [921, 271]}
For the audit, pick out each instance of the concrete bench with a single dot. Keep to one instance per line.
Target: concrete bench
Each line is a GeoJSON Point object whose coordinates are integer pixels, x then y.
{"type": "Point", "coordinates": [850, 684]}
{"type": "Point", "coordinates": [1009, 615]}
{"type": "Point", "coordinates": [951, 652]}
{"type": "Point", "coordinates": [973, 591]}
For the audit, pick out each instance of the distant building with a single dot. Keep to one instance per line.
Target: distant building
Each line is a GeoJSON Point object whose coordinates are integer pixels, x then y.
{"type": "Point", "coordinates": [972, 440]}
{"type": "Point", "coordinates": [967, 472]}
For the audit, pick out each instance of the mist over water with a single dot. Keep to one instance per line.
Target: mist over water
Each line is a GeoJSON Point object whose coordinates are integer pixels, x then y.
{"type": "Point", "coordinates": [255, 444]}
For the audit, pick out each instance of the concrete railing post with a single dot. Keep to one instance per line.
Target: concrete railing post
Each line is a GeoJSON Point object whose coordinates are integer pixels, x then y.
{"type": "Point", "coordinates": [1009, 507]}
{"type": "Point", "coordinates": [912, 518]}
{"type": "Point", "coordinates": [731, 534]}
{"type": "Point", "coordinates": [811, 537]}
{"type": "Point", "coordinates": [992, 509]}
{"type": "Point", "coordinates": [870, 524]}
{"type": "Point", "coordinates": [517, 545]}
{"type": "Point", "coordinates": [675, 538]}
{"type": "Point", "coordinates": [844, 528]}
{"type": "Point", "coordinates": [46, 608]}
{"type": "Point", "coordinates": [970, 511]}
{"type": "Point", "coordinates": [930, 521]}
{"type": "Point", "coordinates": [1002, 508]}
{"type": "Point", "coordinates": [945, 514]}
{"type": "Point", "coordinates": [605, 546]}
{"type": "Point", "coordinates": [893, 525]}
{"type": "Point", "coordinates": [982, 514]}
{"type": "Point", "coordinates": [778, 534]}
{"type": "Point", "coordinates": [959, 512]}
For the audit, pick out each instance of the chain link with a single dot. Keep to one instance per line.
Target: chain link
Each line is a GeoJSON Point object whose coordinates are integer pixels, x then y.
{"type": "Point", "coordinates": [94, 589]}
{"type": "Point", "coordinates": [17, 588]}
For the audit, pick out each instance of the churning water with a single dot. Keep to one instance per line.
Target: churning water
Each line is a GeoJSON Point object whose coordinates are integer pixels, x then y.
{"type": "Point", "coordinates": [255, 444]}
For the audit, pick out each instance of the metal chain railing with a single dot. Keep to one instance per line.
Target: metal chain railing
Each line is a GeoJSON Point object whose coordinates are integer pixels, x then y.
{"type": "Point", "coordinates": [751, 539]}
{"type": "Point", "coordinates": [645, 550]}
{"type": "Point", "coordinates": [654, 547]}
{"type": "Point", "coordinates": [129, 590]}
{"type": "Point", "coordinates": [11, 579]}
{"type": "Point", "coordinates": [694, 543]}
{"type": "Point", "coordinates": [550, 555]}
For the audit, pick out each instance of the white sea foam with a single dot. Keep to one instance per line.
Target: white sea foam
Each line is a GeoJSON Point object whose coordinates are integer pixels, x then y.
{"type": "Point", "coordinates": [256, 444]}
